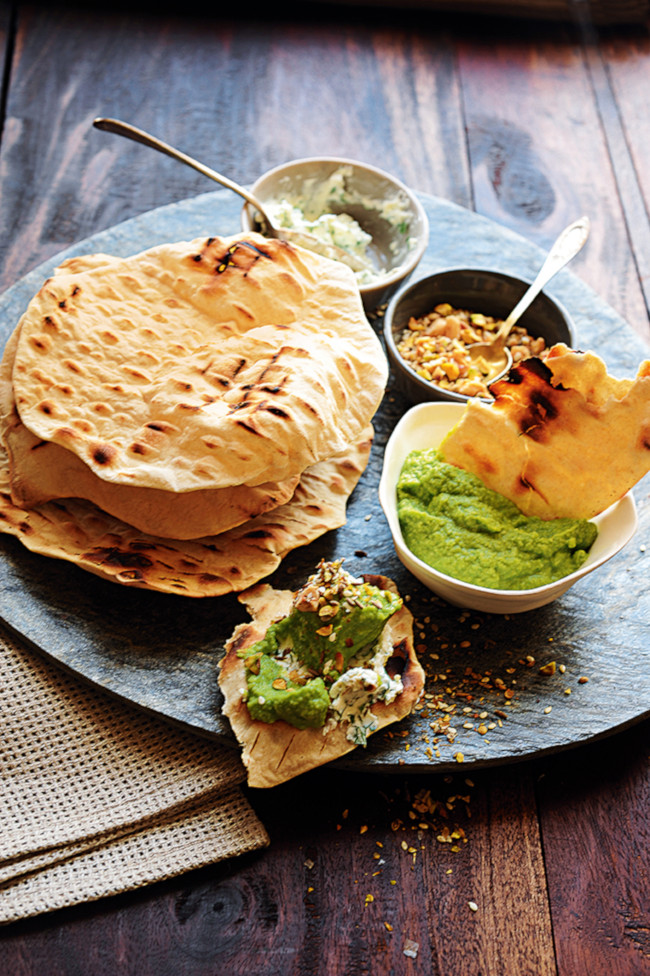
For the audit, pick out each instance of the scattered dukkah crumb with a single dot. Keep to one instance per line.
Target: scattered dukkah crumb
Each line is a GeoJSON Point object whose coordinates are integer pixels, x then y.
{"type": "Point", "coordinates": [411, 948]}
{"type": "Point", "coordinates": [463, 698]}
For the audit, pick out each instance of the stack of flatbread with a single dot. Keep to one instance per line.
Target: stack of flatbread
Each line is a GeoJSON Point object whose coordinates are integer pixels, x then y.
{"type": "Point", "coordinates": [182, 419]}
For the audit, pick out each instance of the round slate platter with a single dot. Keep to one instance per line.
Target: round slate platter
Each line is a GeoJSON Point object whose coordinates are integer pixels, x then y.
{"type": "Point", "coordinates": [486, 697]}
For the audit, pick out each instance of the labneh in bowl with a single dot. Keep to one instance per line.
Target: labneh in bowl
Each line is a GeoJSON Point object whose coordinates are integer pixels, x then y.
{"type": "Point", "coordinates": [383, 206]}
{"type": "Point", "coordinates": [425, 426]}
{"type": "Point", "coordinates": [476, 290]}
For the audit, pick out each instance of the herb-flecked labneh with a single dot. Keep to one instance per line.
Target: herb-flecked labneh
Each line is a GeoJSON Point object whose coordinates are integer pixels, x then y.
{"type": "Point", "coordinates": [317, 670]}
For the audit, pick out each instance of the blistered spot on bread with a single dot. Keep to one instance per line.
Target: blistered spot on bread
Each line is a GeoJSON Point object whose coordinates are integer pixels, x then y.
{"type": "Point", "coordinates": [103, 454]}
{"type": "Point", "coordinates": [258, 534]}
{"type": "Point", "coordinates": [162, 427]}
{"type": "Point", "coordinates": [67, 433]}
{"type": "Point", "coordinates": [73, 366]}
{"type": "Point", "coordinates": [248, 427]}
{"type": "Point", "coordinates": [112, 556]}
{"type": "Point", "coordinates": [41, 342]}
{"type": "Point", "coordinates": [109, 336]}
{"type": "Point", "coordinates": [277, 412]}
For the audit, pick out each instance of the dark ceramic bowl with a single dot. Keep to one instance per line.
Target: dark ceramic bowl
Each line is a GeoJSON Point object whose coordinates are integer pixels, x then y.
{"type": "Point", "coordinates": [488, 292]}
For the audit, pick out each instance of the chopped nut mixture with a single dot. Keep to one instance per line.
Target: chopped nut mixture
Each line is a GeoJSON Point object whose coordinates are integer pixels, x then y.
{"type": "Point", "coordinates": [435, 346]}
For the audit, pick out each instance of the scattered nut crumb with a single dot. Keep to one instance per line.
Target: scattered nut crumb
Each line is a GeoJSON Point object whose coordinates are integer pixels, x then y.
{"type": "Point", "coordinates": [411, 948]}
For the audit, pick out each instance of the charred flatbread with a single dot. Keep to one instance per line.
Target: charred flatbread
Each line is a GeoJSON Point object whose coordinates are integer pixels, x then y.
{"type": "Point", "coordinates": [276, 751]}
{"type": "Point", "coordinates": [41, 471]}
{"type": "Point", "coordinates": [199, 365]}
{"type": "Point", "coordinates": [562, 437]}
{"type": "Point", "coordinates": [77, 531]}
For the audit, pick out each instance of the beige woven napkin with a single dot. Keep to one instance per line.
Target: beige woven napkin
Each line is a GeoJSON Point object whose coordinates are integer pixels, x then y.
{"type": "Point", "coordinates": [98, 797]}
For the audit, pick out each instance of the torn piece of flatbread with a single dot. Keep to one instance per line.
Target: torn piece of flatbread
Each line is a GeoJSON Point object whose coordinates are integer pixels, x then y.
{"type": "Point", "coordinates": [79, 532]}
{"type": "Point", "coordinates": [562, 439]}
{"type": "Point", "coordinates": [275, 752]}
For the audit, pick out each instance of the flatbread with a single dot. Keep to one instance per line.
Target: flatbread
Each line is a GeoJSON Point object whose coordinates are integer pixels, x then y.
{"type": "Point", "coordinates": [41, 471]}
{"type": "Point", "coordinates": [275, 752]}
{"type": "Point", "coordinates": [203, 364]}
{"type": "Point", "coordinates": [562, 437]}
{"type": "Point", "coordinates": [79, 532]}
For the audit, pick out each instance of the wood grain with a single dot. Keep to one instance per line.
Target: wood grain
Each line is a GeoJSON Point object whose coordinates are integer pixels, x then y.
{"type": "Point", "coordinates": [353, 877]}
{"type": "Point", "coordinates": [540, 155]}
{"type": "Point", "coordinates": [596, 836]}
{"type": "Point", "coordinates": [599, 11]}
{"type": "Point", "coordinates": [621, 76]}
{"type": "Point", "coordinates": [529, 124]}
{"type": "Point", "coordinates": [242, 101]}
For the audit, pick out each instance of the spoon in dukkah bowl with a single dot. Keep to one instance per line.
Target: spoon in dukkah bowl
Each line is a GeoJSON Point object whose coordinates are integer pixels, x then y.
{"type": "Point", "coordinates": [269, 229]}
{"type": "Point", "coordinates": [493, 357]}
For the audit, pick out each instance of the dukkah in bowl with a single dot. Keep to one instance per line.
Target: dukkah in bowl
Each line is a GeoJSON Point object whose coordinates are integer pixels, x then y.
{"type": "Point", "coordinates": [365, 211]}
{"type": "Point", "coordinates": [429, 324]}
{"type": "Point", "coordinates": [593, 417]}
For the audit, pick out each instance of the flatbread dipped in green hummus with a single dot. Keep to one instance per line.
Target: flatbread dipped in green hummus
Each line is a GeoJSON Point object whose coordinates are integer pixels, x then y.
{"type": "Point", "coordinates": [317, 671]}
{"type": "Point", "coordinates": [562, 439]}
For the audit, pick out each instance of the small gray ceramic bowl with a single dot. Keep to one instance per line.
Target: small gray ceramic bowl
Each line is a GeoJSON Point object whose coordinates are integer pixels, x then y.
{"type": "Point", "coordinates": [477, 290]}
{"type": "Point", "coordinates": [384, 207]}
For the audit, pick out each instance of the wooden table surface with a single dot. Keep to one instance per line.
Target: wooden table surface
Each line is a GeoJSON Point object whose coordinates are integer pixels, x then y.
{"type": "Point", "coordinates": [528, 123]}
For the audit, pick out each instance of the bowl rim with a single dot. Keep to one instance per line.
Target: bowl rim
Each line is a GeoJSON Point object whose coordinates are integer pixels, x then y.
{"type": "Point", "coordinates": [425, 385]}
{"type": "Point", "coordinates": [414, 256]}
{"type": "Point", "coordinates": [395, 447]}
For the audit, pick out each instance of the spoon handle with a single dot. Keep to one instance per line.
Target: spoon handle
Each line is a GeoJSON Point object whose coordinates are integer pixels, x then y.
{"type": "Point", "coordinates": [138, 135]}
{"type": "Point", "coordinates": [567, 245]}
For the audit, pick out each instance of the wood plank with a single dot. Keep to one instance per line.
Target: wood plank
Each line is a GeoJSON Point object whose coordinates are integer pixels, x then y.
{"type": "Point", "coordinates": [595, 815]}
{"type": "Point", "coordinates": [241, 100]}
{"type": "Point", "coordinates": [540, 156]}
{"type": "Point", "coordinates": [600, 11]}
{"type": "Point", "coordinates": [354, 876]}
{"type": "Point", "coordinates": [6, 55]}
{"type": "Point", "coordinates": [621, 70]}
{"type": "Point", "coordinates": [6, 42]}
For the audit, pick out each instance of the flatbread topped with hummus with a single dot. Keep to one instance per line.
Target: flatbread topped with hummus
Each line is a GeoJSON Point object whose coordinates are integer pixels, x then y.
{"type": "Point", "coordinates": [562, 439]}
{"type": "Point", "coordinates": [317, 671]}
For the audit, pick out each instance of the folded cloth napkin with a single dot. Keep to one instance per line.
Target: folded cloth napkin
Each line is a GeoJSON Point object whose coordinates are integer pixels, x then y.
{"type": "Point", "coordinates": [99, 797]}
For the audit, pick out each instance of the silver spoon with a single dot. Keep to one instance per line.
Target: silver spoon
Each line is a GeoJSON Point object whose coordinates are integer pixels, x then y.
{"type": "Point", "coordinates": [268, 227]}
{"type": "Point", "coordinates": [493, 358]}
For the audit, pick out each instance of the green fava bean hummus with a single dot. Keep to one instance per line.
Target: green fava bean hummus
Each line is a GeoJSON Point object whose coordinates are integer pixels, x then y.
{"type": "Point", "coordinates": [299, 671]}
{"type": "Point", "coordinates": [452, 522]}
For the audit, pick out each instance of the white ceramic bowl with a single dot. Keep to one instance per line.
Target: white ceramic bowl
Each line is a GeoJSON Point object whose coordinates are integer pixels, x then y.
{"type": "Point", "coordinates": [393, 250]}
{"type": "Point", "coordinates": [425, 426]}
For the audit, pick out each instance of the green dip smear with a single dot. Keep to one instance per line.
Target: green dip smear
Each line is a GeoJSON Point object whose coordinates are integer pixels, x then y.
{"type": "Point", "coordinates": [335, 622]}
{"type": "Point", "coordinates": [451, 521]}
